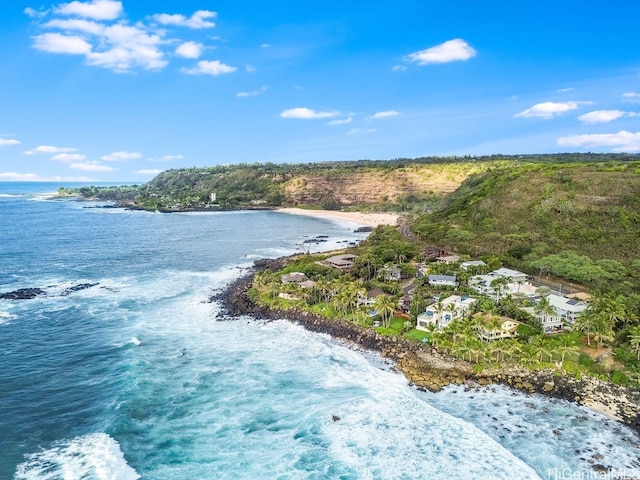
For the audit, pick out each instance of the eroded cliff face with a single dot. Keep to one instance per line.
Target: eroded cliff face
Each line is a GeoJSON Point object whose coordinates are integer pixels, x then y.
{"type": "Point", "coordinates": [372, 186]}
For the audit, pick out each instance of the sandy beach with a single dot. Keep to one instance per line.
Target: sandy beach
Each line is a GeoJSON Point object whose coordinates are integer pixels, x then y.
{"type": "Point", "coordinates": [364, 219]}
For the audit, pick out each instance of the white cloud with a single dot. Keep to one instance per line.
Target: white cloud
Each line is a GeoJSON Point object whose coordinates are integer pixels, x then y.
{"type": "Point", "coordinates": [50, 149]}
{"type": "Point", "coordinates": [398, 68]}
{"type": "Point", "coordinates": [153, 171]}
{"type": "Point", "coordinates": [121, 156]}
{"type": "Point", "coordinates": [33, 13]}
{"type": "Point", "coordinates": [189, 50]}
{"type": "Point", "coordinates": [563, 90]}
{"type": "Point", "coordinates": [622, 141]}
{"type": "Point", "coordinates": [76, 24]}
{"type": "Point", "coordinates": [265, 45]}
{"type": "Point", "coordinates": [306, 113]}
{"type": "Point", "coordinates": [96, 9]}
{"type": "Point", "coordinates": [549, 109]}
{"type": "Point", "coordinates": [252, 93]}
{"type": "Point", "coordinates": [633, 97]}
{"type": "Point", "coordinates": [386, 114]}
{"type": "Point", "coordinates": [601, 116]}
{"type": "Point", "coordinates": [206, 67]}
{"type": "Point", "coordinates": [450, 51]}
{"type": "Point", "coordinates": [342, 121]}
{"type": "Point", "coordinates": [167, 158]}
{"type": "Point", "coordinates": [13, 176]}
{"type": "Point", "coordinates": [197, 21]}
{"type": "Point", "coordinates": [92, 167]}
{"type": "Point", "coordinates": [361, 131]}
{"type": "Point", "coordinates": [69, 157]}
{"type": "Point", "coordinates": [58, 43]}
{"type": "Point", "coordinates": [5, 142]}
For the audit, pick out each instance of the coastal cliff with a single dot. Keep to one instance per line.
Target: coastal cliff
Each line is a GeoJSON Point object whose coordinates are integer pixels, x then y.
{"type": "Point", "coordinates": [426, 368]}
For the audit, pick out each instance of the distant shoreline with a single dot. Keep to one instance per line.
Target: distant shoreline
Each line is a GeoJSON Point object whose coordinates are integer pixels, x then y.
{"type": "Point", "coordinates": [364, 219]}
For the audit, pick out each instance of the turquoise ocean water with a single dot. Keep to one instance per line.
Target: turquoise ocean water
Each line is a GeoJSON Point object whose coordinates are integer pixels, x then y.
{"type": "Point", "coordinates": [134, 377]}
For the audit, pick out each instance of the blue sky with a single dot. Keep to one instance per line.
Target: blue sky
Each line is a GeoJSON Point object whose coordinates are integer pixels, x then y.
{"type": "Point", "coordinates": [107, 90]}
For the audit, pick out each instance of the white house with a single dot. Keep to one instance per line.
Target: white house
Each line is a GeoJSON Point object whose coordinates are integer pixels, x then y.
{"type": "Point", "coordinates": [472, 264]}
{"type": "Point", "coordinates": [443, 280]}
{"type": "Point", "coordinates": [516, 282]}
{"type": "Point", "coordinates": [568, 308]}
{"type": "Point", "coordinates": [443, 313]}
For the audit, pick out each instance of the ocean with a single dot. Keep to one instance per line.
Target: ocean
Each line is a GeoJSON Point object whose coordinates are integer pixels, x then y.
{"type": "Point", "coordinates": [121, 369]}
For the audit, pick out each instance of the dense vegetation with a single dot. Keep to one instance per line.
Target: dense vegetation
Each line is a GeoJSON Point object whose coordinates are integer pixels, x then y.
{"type": "Point", "coordinates": [393, 185]}
{"type": "Point", "coordinates": [579, 222]}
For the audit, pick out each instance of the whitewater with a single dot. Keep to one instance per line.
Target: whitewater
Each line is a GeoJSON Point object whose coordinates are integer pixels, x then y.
{"type": "Point", "coordinates": [135, 376]}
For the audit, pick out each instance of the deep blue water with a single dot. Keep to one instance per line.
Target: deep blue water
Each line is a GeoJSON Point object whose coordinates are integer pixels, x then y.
{"type": "Point", "coordinates": [135, 377]}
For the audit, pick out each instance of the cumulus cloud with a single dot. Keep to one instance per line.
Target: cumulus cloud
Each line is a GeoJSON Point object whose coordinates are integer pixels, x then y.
{"type": "Point", "coordinates": [604, 116]}
{"type": "Point", "coordinates": [69, 157]}
{"type": "Point", "coordinates": [153, 171]}
{"type": "Point", "coordinates": [189, 50]}
{"type": "Point", "coordinates": [386, 114]}
{"type": "Point", "coordinates": [96, 9]}
{"type": "Point", "coordinates": [307, 113]}
{"type": "Point", "coordinates": [5, 142]}
{"type": "Point", "coordinates": [119, 47]}
{"type": "Point", "coordinates": [209, 67]}
{"type": "Point", "coordinates": [197, 21]}
{"type": "Point", "coordinates": [361, 131]}
{"type": "Point", "coordinates": [121, 156]}
{"type": "Point", "coordinates": [449, 51]}
{"type": "Point", "coordinates": [59, 43]}
{"type": "Point", "coordinates": [252, 93]}
{"type": "Point", "coordinates": [92, 167]}
{"type": "Point", "coordinates": [13, 176]}
{"type": "Point", "coordinates": [633, 97]}
{"type": "Point", "coordinates": [33, 13]}
{"type": "Point", "coordinates": [548, 110]}
{"type": "Point", "coordinates": [623, 141]}
{"type": "Point", "coordinates": [50, 149]}
{"type": "Point", "coordinates": [341, 121]}
{"type": "Point", "coordinates": [167, 158]}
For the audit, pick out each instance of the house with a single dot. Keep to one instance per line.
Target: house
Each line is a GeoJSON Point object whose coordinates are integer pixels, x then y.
{"type": "Point", "coordinates": [391, 274]}
{"type": "Point", "coordinates": [370, 299]}
{"type": "Point", "coordinates": [443, 280]}
{"type": "Point", "coordinates": [494, 327]}
{"type": "Point", "coordinates": [343, 262]}
{"type": "Point", "coordinates": [443, 313]}
{"type": "Point", "coordinates": [515, 282]}
{"type": "Point", "coordinates": [308, 284]}
{"type": "Point", "coordinates": [293, 277]}
{"type": "Point", "coordinates": [473, 264]}
{"type": "Point", "coordinates": [568, 309]}
{"type": "Point", "coordinates": [448, 259]}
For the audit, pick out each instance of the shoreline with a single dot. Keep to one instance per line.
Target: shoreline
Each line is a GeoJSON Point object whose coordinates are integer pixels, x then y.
{"type": "Point", "coordinates": [427, 369]}
{"type": "Point", "coordinates": [365, 219]}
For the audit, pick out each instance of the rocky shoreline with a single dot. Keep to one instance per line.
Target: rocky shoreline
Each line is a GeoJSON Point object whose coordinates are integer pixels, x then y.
{"type": "Point", "coordinates": [428, 369]}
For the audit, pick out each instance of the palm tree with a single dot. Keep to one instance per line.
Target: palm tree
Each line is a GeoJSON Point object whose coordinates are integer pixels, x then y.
{"type": "Point", "coordinates": [586, 323]}
{"type": "Point", "coordinates": [545, 309]}
{"type": "Point", "coordinates": [498, 285]}
{"type": "Point", "coordinates": [385, 305]}
{"type": "Point", "coordinates": [634, 339]}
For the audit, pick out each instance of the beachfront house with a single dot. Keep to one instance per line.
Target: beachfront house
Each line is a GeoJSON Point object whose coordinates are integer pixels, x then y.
{"type": "Point", "coordinates": [441, 314]}
{"type": "Point", "coordinates": [370, 297]}
{"type": "Point", "coordinates": [494, 327]}
{"type": "Point", "coordinates": [556, 312]}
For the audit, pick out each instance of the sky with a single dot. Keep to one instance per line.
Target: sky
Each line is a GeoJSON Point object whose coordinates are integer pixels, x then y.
{"type": "Point", "coordinates": [106, 90]}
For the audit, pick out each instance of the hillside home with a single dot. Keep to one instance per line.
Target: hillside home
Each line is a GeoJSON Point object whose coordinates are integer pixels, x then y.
{"type": "Point", "coordinates": [448, 259]}
{"type": "Point", "coordinates": [391, 274]}
{"type": "Point", "coordinates": [443, 280]}
{"type": "Point", "coordinates": [443, 313]}
{"type": "Point", "coordinates": [343, 262]}
{"type": "Point", "coordinates": [473, 264]}
{"type": "Point", "coordinates": [293, 277]}
{"type": "Point", "coordinates": [370, 299]}
{"type": "Point", "coordinates": [516, 282]}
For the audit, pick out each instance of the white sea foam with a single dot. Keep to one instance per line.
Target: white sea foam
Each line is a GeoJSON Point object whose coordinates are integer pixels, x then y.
{"type": "Point", "coordinates": [6, 317]}
{"type": "Point", "coordinates": [96, 456]}
{"type": "Point", "coordinates": [135, 341]}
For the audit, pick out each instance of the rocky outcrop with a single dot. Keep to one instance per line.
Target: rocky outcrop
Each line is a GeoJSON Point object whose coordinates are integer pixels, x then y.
{"type": "Point", "coordinates": [31, 293]}
{"type": "Point", "coordinates": [429, 369]}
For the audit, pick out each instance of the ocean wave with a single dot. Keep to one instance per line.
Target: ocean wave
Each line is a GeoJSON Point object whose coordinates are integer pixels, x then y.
{"type": "Point", "coordinates": [96, 456]}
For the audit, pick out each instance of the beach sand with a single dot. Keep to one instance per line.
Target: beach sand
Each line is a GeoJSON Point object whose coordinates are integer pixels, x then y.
{"type": "Point", "coordinates": [364, 219]}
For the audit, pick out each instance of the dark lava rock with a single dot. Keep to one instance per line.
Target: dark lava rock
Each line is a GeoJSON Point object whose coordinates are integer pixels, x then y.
{"type": "Point", "coordinates": [22, 294]}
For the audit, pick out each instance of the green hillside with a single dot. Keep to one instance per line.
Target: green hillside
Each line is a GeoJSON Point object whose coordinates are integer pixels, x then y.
{"type": "Point", "coordinates": [576, 221]}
